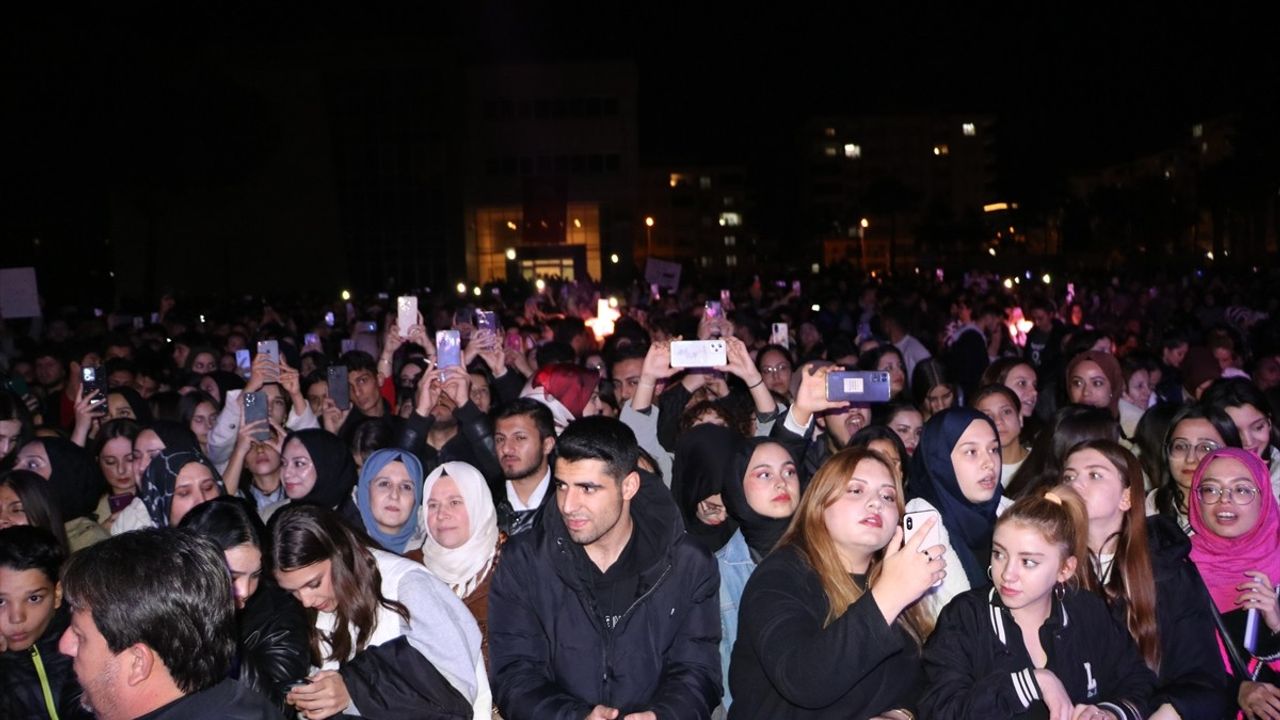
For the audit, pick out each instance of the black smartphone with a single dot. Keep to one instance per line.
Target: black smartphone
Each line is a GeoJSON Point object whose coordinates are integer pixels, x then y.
{"type": "Point", "coordinates": [338, 389]}
{"type": "Point", "coordinates": [255, 409]}
{"type": "Point", "coordinates": [95, 388]}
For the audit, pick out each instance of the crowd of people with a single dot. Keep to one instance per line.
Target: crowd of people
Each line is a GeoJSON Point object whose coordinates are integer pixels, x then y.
{"type": "Point", "coordinates": [1068, 507]}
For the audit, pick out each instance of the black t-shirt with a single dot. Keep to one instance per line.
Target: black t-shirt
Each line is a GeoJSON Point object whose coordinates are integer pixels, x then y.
{"type": "Point", "coordinates": [614, 590]}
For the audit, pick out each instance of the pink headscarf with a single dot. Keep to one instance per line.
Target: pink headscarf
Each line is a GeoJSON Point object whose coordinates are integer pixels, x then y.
{"type": "Point", "coordinates": [1223, 562]}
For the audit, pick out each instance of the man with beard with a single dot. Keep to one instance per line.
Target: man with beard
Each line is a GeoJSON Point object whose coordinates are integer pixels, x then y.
{"type": "Point", "coordinates": [524, 438]}
{"type": "Point", "coordinates": [153, 630]}
{"type": "Point", "coordinates": [446, 426]}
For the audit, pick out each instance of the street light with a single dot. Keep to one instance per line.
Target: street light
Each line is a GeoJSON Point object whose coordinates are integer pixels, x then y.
{"type": "Point", "coordinates": [648, 236]}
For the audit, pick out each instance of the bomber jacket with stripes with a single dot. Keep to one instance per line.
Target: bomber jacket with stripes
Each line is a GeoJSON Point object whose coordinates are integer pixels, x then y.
{"type": "Point", "coordinates": [977, 666]}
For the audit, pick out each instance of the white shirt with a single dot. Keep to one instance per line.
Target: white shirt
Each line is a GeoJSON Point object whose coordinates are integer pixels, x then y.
{"type": "Point", "coordinates": [535, 500]}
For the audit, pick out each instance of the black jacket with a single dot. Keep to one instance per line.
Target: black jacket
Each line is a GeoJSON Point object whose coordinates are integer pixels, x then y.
{"type": "Point", "coordinates": [228, 700]}
{"type": "Point", "coordinates": [473, 444]}
{"type": "Point", "coordinates": [551, 656]}
{"type": "Point", "coordinates": [1191, 676]}
{"type": "Point", "coordinates": [393, 681]}
{"type": "Point", "coordinates": [273, 647]}
{"type": "Point", "coordinates": [787, 665]}
{"type": "Point", "coordinates": [21, 694]}
{"type": "Point", "coordinates": [977, 666]}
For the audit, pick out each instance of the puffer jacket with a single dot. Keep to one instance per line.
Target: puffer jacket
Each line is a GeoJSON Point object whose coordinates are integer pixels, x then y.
{"type": "Point", "coordinates": [22, 689]}
{"type": "Point", "coordinates": [552, 656]}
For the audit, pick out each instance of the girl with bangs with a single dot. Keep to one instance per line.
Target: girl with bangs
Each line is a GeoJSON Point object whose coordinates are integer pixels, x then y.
{"type": "Point", "coordinates": [829, 624]}
{"type": "Point", "coordinates": [1144, 573]}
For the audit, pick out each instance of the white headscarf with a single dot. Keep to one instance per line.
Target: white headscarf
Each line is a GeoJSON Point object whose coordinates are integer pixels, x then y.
{"type": "Point", "coordinates": [464, 567]}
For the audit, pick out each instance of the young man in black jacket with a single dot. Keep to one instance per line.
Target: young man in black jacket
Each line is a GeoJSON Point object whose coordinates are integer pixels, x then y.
{"type": "Point", "coordinates": [605, 610]}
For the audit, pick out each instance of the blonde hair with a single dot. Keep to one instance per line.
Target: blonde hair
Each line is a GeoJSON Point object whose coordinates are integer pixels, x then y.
{"type": "Point", "coordinates": [809, 535]}
{"type": "Point", "coordinates": [1060, 516]}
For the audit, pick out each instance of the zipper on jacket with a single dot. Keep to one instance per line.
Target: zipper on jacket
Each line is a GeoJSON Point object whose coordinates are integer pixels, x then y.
{"type": "Point", "coordinates": [607, 647]}
{"type": "Point", "coordinates": [44, 684]}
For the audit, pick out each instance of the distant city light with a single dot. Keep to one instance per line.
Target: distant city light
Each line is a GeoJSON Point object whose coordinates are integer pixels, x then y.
{"type": "Point", "coordinates": [991, 252]}
{"type": "Point", "coordinates": [613, 302]}
{"type": "Point", "coordinates": [540, 284]}
{"type": "Point", "coordinates": [577, 223]}
{"type": "Point", "coordinates": [648, 221]}
{"type": "Point", "coordinates": [346, 295]}
{"type": "Point", "coordinates": [815, 307]}
{"type": "Point", "coordinates": [462, 288]}
{"type": "Point", "coordinates": [815, 268]}
{"type": "Point", "coordinates": [969, 129]}
{"type": "Point", "coordinates": [1046, 279]}
{"type": "Point", "coordinates": [476, 291]}
{"type": "Point", "coordinates": [852, 150]}
{"type": "Point", "coordinates": [1008, 284]}
{"type": "Point", "coordinates": [1209, 254]}
{"type": "Point", "coordinates": [995, 207]}
{"type": "Point", "coordinates": [511, 253]}
{"type": "Point", "coordinates": [614, 258]}
{"type": "Point", "coordinates": [511, 225]}
{"type": "Point", "coordinates": [865, 223]}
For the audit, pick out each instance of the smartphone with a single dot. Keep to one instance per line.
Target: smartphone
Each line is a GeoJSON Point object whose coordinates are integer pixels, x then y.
{"type": "Point", "coordinates": [244, 363]}
{"type": "Point", "coordinates": [780, 335]}
{"type": "Point", "coordinates": [338, 389]}
{"type": "Point", "coordinates": [726, 298]}
{"type": "Point", "coordinates": [19, 386]}
{"type": "Point", "coordinates": [513, 341]}
{"type": "Point", "coordinates": [91, 385]}
{"type": "Point", "coordinates": [255, 409]}
{"type": "Point", "coordinates": [912, 523]}
{"type": "Point", "coordinates": [699, 353]}
{"type": "Point", "coordinates": [116, 503]}
{"type": "Point", "coordinates": [858, 386]}
{"type": "Point", "coordinates": [406, 313]}
{"type": "Point", "coordinates": [155, 318]}
{"type": "Point", "coordinates": [137, 322]}
{"type": "Point", "coordinates": [328, 319]}
{"type": "Point", "coordinates": [713, 310]}
{"type": "Point", "coordinates": [654, 291]}
{"type": "Point", "coordinates": [487, 320]}
{"type": "Point", "coordinates": [369, 326]}
{"type": "Point", "coordinates": [448, 349]}
{"type": "Point", "coordinates": [311, 341]}
{"type": "Point", "coordinates": [795, 286]}
{"type": "Point", "coordinates": [271, 349]}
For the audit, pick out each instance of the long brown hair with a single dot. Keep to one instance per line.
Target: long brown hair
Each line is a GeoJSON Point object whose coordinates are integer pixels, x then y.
{"type": "Point", "coordinates": [303, 535]}
{"type": "Point", "coordinates": [809, 535]}
{"type": "Point", "coordinates": [1131, 580]}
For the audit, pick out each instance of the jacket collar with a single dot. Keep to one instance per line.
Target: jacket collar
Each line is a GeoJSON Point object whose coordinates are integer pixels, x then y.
{"type": "Point", "coordinates": [1000, 616]}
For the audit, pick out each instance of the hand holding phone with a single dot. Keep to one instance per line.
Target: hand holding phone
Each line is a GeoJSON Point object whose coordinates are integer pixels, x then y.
{"type": "Point", "coordinates": [339, 392]}
{"type": "Point", "coordinates": [255, 411]}
{"type": "Point", "coordinates": [916, 522]}
{"type": "Point", "coordinates": [271, 349]}
{"type": "Point", "coordinates": [406, 314]}
{"type": "Point", "coordinates": [448, 349]}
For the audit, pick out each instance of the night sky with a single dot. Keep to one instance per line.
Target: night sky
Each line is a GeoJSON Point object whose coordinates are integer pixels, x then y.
{"type": "Point", "coordinates": [99, 98]}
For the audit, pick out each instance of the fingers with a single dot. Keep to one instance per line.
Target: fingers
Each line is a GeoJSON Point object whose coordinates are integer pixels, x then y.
{"type": "Point", "coordinates": [895, 543]}
{"type": "Point", "coordinates": [918, 538]}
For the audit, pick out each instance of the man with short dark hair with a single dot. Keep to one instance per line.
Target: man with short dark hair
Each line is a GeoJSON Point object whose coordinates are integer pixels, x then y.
{"type": "Point", "coordinates": [606, 610]}
{"type": "Point", "coordinates": [624, 369]}
{"type": "Point", "coordinates": [153, 630]}
{"type": "Point", "coordinates": [524, 436]}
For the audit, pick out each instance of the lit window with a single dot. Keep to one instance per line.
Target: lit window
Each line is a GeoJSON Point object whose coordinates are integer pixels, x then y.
{"type": "Point", "coordinates": [829, 132]}
{"type": "Point", "coordinates": [1204, 148]}
{"type": "Point", "coordinates": [852, 150]}
{"type": "Point", "coordinates": [730, 240]}
{"type": "Point", "coordinates": [830, 151]}
{"type": "Point", "coordinates": [731, 260]}
{"type": "Point", "coordinates": [815, 268]}
{"type": "Point", "coordinates": [941, 150]}
{"type": "Point", "coordinates": [706, 261]}
{"type": "Point", "coordinates": [969, 129]}
{"type": "Point", "coordinates": [1197, 130]}
{"type": "Point", "coordinates": [730, 219]}
{"type": "Point", "coordinates": [677, 179]}
{"type": "Point", "coordinates": [704, 182]}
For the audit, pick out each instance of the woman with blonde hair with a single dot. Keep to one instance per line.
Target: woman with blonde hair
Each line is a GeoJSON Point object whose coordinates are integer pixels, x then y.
{"type": "Point", "coordinates": [829, 623]}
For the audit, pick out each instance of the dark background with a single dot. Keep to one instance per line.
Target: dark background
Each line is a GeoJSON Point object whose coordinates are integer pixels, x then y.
{"type": "Point", "coordinates": [121, 115]}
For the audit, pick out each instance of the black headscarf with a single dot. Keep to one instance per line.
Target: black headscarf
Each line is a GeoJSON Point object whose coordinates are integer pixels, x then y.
{"type": "Point", "coordinates": [74, 477]}
{"type": "Point", "coordinates": [761, 533]}
{"type": "Point", "coordinates": [161, 477]}
{"type": "Point", "coordinates": [696, 474]}
{"type": "Point", "coordinates": [933, 479]}
{"type": "Point", "coordinates": [336, 473]}
{"type": "Point", "coordinates": [141, 411]}
{"type": "Point", "coordinates": [175, 435]}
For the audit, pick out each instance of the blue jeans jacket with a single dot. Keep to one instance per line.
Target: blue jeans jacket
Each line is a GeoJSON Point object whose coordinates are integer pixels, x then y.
{"type": "Point", "coordinates": [736, 567]}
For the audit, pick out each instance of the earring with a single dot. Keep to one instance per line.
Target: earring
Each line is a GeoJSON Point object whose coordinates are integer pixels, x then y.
{"type": "Point", "coordinates": [989, 574]}
{"type": "Point", "coordinates": [1059, 591]}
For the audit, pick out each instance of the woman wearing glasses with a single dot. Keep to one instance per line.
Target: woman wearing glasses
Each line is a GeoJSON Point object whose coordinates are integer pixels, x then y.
{"type": "Point", "coordinates": [776, 365]}
{"type": "Point", "coordinates": [1236, 548]}
{"type": "Point", "coordinates": [1195, 432]}
{"type": "Point", "coordinates": [1251, 412]}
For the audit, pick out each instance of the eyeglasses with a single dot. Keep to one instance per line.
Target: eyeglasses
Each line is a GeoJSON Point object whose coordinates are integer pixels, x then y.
{"type": "Point", "coordinates": [1239, 495]}
{"type": "Point", "coordinates": [1195, 451]}
{"type": "Point", "coordinates": [775, 369]}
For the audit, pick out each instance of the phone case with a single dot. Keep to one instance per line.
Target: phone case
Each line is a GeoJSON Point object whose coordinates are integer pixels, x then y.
{"type": "Point", "coordinates": [255, 409]}
{"type": "Point", "coordinates": [406, 313]}
{"type": "Point", "coordinates": [698, 353]}
{"type": "Point", "coordinates": [448, 349]}
{"type": "Point", "coordinates": [338, 389]}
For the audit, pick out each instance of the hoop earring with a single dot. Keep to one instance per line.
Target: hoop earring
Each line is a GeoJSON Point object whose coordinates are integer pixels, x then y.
{"type": "Point", "coordinates": [1059, 591]}
{"type": "Point", "coordinates": [989, 574]}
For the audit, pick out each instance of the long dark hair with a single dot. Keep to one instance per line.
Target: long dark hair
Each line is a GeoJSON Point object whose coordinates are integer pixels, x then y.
{"type": "Point", "coordinates": [229, 522]}
{"type": "Point", "coordinates": [37, 502]}
{"type": "Point", "coordinates": [1072, 425]}
{"type": "Point", "coordinates": [1131, 582]}
{"type": "Point", "coordinates": [1169, 496]}
{"type": "Point", "coordinates": [303, 535]}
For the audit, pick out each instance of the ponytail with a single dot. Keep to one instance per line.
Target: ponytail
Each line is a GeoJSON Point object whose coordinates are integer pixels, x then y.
{"type": "Point", "coordinates": [1060, 516]}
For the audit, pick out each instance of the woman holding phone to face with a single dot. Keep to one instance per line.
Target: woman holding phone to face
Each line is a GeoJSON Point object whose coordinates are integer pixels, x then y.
{"type": "Point", "coordinates": [1145, 575]}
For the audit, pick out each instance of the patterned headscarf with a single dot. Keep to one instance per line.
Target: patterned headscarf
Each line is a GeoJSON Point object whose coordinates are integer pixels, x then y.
{"type": "Point", "coordinates": [161, 477]}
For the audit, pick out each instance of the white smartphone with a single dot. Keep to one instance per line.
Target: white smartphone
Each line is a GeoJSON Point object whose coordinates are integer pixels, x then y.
{"type": "Point", "coordinates": [780, 335]}
{"type": "Point", "coordinates": [406, 313]}
{"type": "Point", "coordinates": [912, 522]}
{"type": "Point", "coordinates": [699, 353]}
